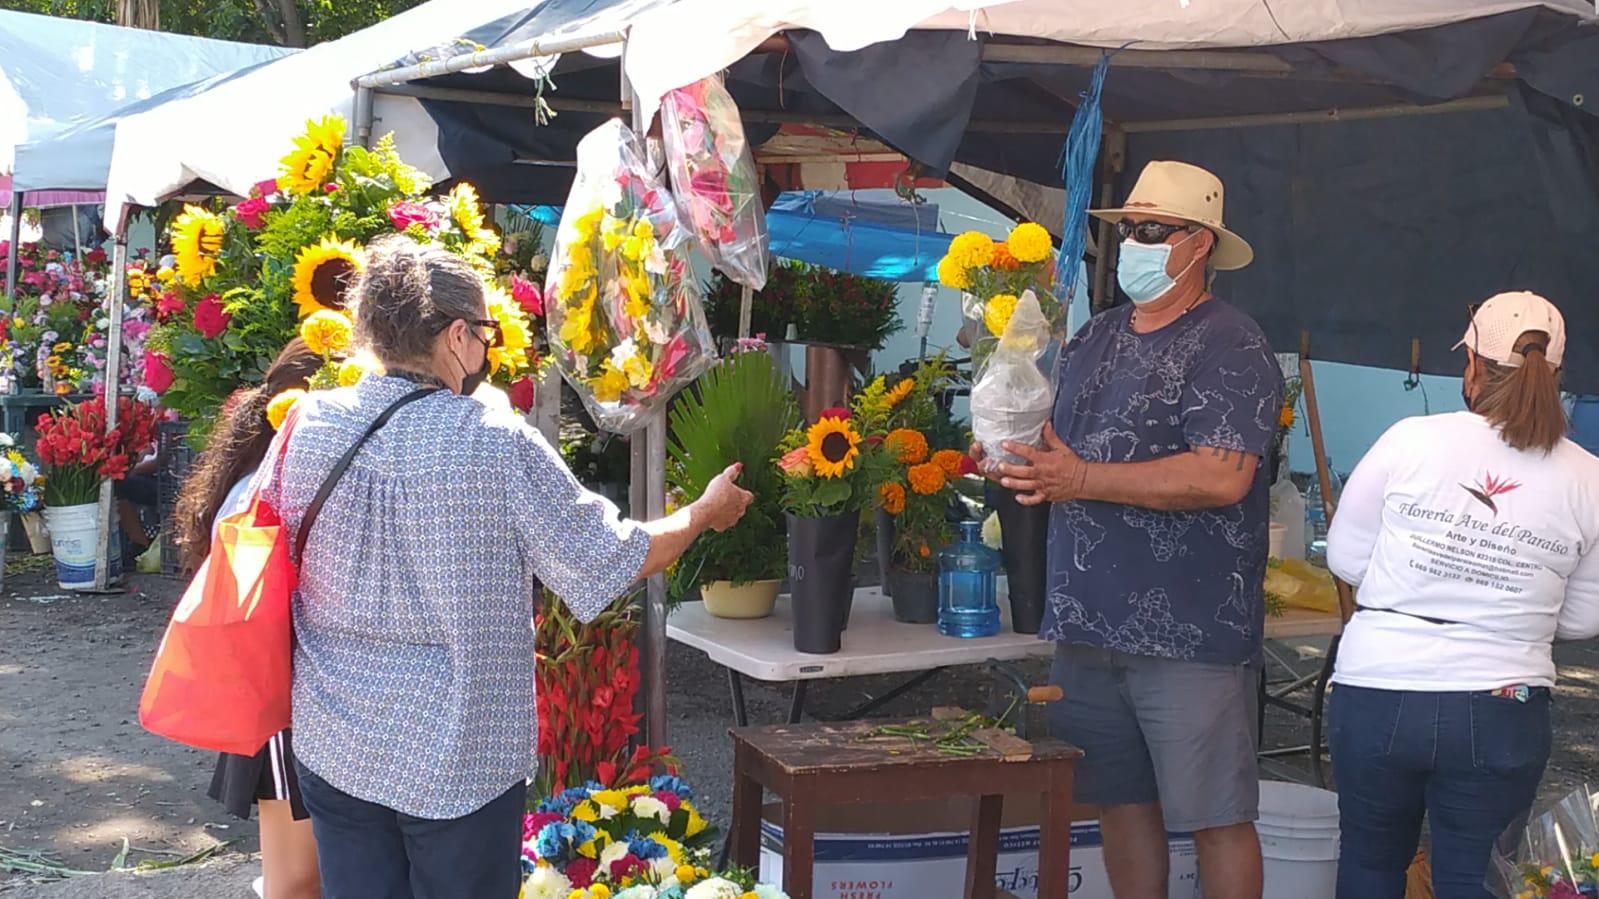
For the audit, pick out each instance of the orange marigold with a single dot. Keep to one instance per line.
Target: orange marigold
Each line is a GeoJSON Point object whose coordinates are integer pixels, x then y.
{"type": "Point", "coordinates": [950, 461]}
{"type": "Point", "coordinates": [892, 496]}
{"type": "Point", "coordinates": [908, 446]}
{"type": "Point", "coordinates": [926, 479]}
{"type": "Point", "coordinates": [1003, 260]}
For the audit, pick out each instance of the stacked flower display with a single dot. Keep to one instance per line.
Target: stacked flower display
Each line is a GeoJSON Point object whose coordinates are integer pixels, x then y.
{"type": "Point", "coordinates": [56, 337]}
{"type": "Point", "coordinates": [248, 275]}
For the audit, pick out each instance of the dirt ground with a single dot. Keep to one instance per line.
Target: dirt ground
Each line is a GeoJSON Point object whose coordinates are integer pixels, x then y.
{"type": "Point", "coordinates": [78, 776]}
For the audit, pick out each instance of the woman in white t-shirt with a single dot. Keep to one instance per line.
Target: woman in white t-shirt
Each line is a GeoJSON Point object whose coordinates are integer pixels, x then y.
{"type": "Point", "coordinates": [219, 486]}
{"type": "Point", "coordinates": [1471, 539]}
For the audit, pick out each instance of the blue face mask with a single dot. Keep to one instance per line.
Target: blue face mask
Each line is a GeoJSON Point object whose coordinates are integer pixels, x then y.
{"type": "Point", "coordinates": [1141, 270]}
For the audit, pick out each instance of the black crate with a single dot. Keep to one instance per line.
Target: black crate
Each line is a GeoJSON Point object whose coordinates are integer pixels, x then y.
{"type": "Point", "coordinates": [169, 481]}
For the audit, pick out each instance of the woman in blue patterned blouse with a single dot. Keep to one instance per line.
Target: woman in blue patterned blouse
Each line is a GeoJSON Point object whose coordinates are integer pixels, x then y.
{"type": "Point", "coordinates": [414, 718]}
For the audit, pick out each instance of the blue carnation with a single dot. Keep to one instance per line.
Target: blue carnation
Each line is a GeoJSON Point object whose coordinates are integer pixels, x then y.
{"type": "Point", "coordinates": [645, 848]}
{"type": "Point", "coordinates": [553, 841]}
{"type": "Point", "coordinates": [668, 783]}
{"type": "Point", "coordinates": [582, 832]}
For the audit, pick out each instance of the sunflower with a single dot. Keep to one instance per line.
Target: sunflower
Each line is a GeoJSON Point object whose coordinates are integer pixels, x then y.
{"type": "Point", "coordinates": [952, 274]}
{"type": "Point", "coordinates": [1029, 242]}
{"type": "Point", "coordinates": [926, 479]}
{"type": "Point", "coordinates": [950, 461]}
{"type": "Point", "coordinates": [892, 497]}
{"type": "Point", "coordinates": [323, 275]}
{"type": "Point", "coordinates": [278, 409]}
{"type": "Point", "coordinates": [833, 446]}
{"type": "Point", "coordinates": [516, 334]}
{"type": "Point", "coordinates": [467, 214]}
{"type": "Point", "coordinates": [973, 249]}
{"type": "Point", "coordinates": [326, 332]}
{"type": "Point", "coordinates": [997, 312]}
{"type": "Point", "coordinates": [310, 163]}
{"type": "Point", "coordinates": [909, 447]}
{"type": "Point", "coordinates": [899, 392]}
{"type": "Point", "coordinates": [196, 240]}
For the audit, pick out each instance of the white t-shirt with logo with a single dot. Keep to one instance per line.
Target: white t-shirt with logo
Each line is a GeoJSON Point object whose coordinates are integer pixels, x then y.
{"type": "Point", "coordinates": [1443, 520]}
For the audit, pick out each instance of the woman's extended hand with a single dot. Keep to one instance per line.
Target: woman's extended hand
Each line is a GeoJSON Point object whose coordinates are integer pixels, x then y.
{"type": "Point", "coordinates": [724, 502]}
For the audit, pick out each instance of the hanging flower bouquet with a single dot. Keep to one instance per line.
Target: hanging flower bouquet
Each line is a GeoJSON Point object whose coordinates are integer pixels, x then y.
{"type": "Point", "coordinates": [247, 275]}
{"type": "Point", "coordinates": [1006, 294]}
{"type": "Point", "coordinates": [625, 316]}
{"type": "Point", "coordinates": [78, 453]}
{"type": "Point", "coordinates": [713, 173]}
{"type": "Point", "coordinates": [642, 838]}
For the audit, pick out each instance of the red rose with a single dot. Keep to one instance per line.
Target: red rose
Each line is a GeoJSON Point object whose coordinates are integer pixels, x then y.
{"type": "Point", "coordinates": [522, 394]}
{"type": "Point", "coordinates": [331, 188]}
{"type": "Point", "coordinates": [157, 372]}
{"type": "Point", "coordinates": [527, 295]}
{"type": "Point", "coordinates": [837, 412]}
{"type": "Point", "coordinates": [403, 215]}
{"type": "Point", "coordinates": [251, 212]}
{"type": "Point", "coordinates": [210, 319]}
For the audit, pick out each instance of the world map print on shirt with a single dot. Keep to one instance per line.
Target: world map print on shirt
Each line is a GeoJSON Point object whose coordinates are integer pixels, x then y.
{"type": "Point", "coordinates": [1178, 585]}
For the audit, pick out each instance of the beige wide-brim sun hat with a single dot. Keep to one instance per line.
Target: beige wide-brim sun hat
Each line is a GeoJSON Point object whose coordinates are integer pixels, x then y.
{"type": "Point", "coordinates": [1187, 192]}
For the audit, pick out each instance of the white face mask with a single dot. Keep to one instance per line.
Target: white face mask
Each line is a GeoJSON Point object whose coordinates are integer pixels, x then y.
{"type": "Point", "coordinates": [1141, 269]}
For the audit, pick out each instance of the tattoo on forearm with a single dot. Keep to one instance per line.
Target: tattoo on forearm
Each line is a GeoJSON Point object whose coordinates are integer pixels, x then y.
{"type": "Point", "coordinates": [1226, 454]}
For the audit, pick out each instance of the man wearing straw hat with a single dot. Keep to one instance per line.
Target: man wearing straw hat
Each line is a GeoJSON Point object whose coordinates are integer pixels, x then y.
{"type": "Point", "coordinates": [1157, 551]}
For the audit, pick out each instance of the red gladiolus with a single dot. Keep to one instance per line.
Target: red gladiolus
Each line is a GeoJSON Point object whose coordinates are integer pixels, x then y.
{"type": "Point", "coordinates": [522, 394]}
{"type": "Point", "coordinates": [210, 319]}
{"type": "Point", "coordinates": [157, 372]}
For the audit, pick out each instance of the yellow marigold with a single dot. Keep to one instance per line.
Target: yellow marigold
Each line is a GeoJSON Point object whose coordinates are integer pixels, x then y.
{"type": "Point", "coordinates": [973, 248]}
{"type": "Point", "coordinates": [926, 479]}
{"type": "Point", "coordinates": [997, 312]}
{"type": "Point", "coordinates": [326, 332]}
{"type": "Point", "coordinates": [950, 461]}
{"type": "Point", "coordinates": [1029, 242]}
{"type": "Point", "coordinates": [892, 497]}
{"type": "Point", "coordinates": [908, 446]}
{"type": "Point", "coordinates": [899, 392]}
{"type": "Point", "coordinates": [278, 408]}
{"type": "Point", "coordinates": [351, 373]}
{"type": "Point", "coordinates": [685, 875]}
{"type": "Point", "coordinates": [952, 274]}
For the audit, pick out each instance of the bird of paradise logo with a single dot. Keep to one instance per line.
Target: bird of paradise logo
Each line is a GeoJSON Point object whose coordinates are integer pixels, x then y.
{"type": "Point", "coordinates": [1490, 487]}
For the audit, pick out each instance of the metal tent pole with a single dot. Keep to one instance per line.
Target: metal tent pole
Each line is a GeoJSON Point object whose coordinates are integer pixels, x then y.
{"type": "Point", "coordinates": [485, 58]}
{"type": "Point", "coordinates": [113, 367]}
{"type": "Point", "coordinates": [11, 257]}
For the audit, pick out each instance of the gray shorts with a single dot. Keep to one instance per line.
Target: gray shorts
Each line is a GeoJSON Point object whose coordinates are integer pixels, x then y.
{"type": "Point", "coordinates": [1158, 730]}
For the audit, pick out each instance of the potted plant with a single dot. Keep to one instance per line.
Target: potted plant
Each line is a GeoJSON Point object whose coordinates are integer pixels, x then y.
{"type": "Point", "coordinates": [738, 412]}
{"type": "Point", "coordinates": [917, 498]}
{"type": "Point", "coordinates": [79, 454]}
{"type": "Point", "coordinates": [831, 470]}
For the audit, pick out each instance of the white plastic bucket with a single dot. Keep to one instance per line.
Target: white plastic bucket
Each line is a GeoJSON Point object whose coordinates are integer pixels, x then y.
{"type": "Point", "coordinates": [1298, 830]}
{"type": "Point", "coordinates": [73, 534]}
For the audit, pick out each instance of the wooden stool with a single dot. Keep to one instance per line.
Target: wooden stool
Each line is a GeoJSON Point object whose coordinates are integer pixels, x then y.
{"type": "Point", "coordinates": [835, 764]}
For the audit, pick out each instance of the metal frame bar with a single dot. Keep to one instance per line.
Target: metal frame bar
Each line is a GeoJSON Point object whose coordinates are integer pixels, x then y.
{"type": "Point", "coordinates": [15, 237]}
{"type": "Point", "coordinates": [488, 58]}
{"type": "Point", "coordinates": [113, 369]}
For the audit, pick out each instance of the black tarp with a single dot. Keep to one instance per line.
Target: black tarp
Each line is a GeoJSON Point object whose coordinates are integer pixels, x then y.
{"type": "Point", "coordinates": [1368, 233]}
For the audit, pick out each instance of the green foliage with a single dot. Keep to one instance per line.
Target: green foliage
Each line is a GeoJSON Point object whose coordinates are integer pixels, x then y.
{"type": "Point", "coordinates": [237, 20]}
{"type": "Point", "coordinates": [824, 306]}
{"type": "Point", "coordinates": [738, 412]}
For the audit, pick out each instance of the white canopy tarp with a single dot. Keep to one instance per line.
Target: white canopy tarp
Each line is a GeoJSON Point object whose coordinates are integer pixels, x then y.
{"type": "Point", "coordinates": [234, 134]}
{"type": "Point", "coordinates": [55, 73]}
{"type": "Point", "coordinates": [721, 33]}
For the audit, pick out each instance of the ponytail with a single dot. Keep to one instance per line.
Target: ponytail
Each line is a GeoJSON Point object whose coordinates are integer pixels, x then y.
{"type": "Point", "coordinates": [1524, 402]}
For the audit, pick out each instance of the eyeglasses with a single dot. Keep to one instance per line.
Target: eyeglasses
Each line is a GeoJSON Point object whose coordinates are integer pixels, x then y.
{"type": "Point", "coordinates": [1148, 232]}
{"type": "Point", "coordinates": [495, 340]}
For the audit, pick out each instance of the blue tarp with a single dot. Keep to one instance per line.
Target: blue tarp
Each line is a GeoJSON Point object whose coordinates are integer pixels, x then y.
{"type": "Point", "coordinates": [892, 241]}
{"type": "Point", "coordinates": [78, 77]}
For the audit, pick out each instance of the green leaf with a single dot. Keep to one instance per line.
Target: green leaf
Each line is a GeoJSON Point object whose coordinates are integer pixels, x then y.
{"type": "Point", "coordinates": [832, 493]}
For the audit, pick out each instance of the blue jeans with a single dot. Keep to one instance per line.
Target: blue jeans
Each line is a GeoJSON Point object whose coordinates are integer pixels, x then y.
{"type": "Point", "coordinates": [1470, 762]}
{"type": "Point", "coordinates": [367, 851]}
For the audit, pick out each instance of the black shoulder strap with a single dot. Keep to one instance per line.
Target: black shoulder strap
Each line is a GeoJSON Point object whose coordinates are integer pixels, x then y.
{"type": "Point", "coordinates": [332, 480]}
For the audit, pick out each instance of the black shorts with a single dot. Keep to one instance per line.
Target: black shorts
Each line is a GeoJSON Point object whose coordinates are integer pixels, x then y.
{"type": "Point", "coordinates": [242, 780]}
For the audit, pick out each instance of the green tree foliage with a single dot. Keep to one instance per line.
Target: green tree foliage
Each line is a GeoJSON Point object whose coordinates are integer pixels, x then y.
{"type": "Point", "coordinates": [291, 23]}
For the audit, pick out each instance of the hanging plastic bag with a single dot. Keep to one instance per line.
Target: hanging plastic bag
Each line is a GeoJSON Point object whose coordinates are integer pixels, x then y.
{"type": "Point", "coordinates": [1013, 385]}
{"type": "Point", "coordinates": [714, 177]}
{"type": "Point", "coordinates": [626, 320]}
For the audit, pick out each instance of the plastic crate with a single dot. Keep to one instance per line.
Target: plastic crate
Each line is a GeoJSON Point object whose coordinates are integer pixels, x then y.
{"type": "Point", "coordinates": [169, 481]}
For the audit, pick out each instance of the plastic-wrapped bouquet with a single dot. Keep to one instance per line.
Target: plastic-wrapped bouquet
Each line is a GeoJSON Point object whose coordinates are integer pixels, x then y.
{"type": "Point", "coordinates": [1555, 856]}
{"type": "Point", "coordinates": [626, 321]}
{"type": "Point", "coordinates": [1006, 294]}
{"type": "Point", "coordinates": [715, 179]}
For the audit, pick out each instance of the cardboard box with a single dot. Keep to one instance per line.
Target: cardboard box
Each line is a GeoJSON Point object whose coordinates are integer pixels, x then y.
{"type": "Point", "coordinates": [917, 850]}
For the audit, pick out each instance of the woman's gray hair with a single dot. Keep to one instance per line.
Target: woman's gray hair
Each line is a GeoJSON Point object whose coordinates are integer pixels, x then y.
{"type": "Point", "coordinates": [409, 292]}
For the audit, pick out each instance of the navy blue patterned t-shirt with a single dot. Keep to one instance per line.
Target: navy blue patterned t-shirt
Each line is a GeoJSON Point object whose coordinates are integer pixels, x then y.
{"type": "Point", "coordinates": [1178, 585]}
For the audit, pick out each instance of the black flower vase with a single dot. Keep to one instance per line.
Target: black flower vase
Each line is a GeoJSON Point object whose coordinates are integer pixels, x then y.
{"type": "Point", "coordinates": [821, 560]}
{"type": "Point", "coordinates": [1025, 532]}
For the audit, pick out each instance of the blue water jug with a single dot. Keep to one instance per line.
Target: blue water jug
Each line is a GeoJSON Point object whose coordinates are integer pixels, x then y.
{"type": "Point", "coordinates": [967, 574]}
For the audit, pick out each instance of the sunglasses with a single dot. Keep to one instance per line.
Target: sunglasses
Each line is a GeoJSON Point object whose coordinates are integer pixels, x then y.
{"type": "Point", "coordinates": [496, 340]}
{"type": "Point", "coordinates": [1148, 232]}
